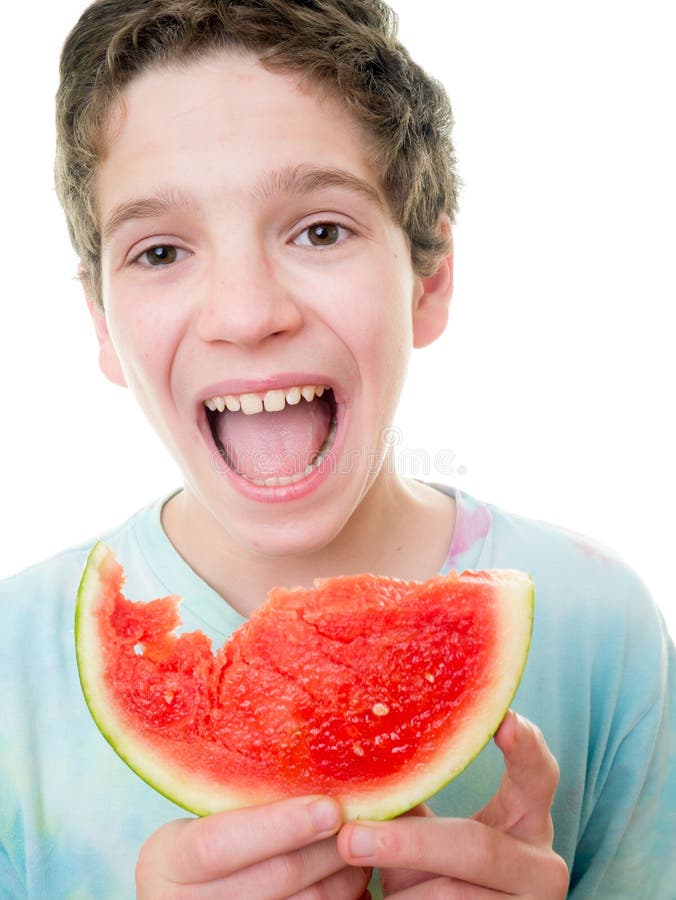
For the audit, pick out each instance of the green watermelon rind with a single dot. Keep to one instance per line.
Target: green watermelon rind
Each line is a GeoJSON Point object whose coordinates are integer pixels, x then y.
{"type": "Point", "coordinates": [201, 796]}
{"type": "Point", "coordinates": [89, 665]}
{"type": "Point", "coordinates": [160, 776]}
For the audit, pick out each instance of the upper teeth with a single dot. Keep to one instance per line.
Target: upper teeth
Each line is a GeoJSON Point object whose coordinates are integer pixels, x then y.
{"type": "Point", "coordinates": [271, 401]}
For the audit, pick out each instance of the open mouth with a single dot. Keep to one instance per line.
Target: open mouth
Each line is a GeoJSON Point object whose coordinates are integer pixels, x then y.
{"type": "Point", "coordinates": [277, 437]}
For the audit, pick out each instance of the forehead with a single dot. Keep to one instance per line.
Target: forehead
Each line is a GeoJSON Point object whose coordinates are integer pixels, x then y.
{"type": "Point", "coordinates": [229, 118]}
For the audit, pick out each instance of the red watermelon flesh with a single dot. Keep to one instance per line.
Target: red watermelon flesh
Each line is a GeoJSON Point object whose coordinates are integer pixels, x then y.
{"type": "Point", "coordinates": [370, 689]}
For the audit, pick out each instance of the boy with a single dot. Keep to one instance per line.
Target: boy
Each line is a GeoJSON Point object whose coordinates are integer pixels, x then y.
{"type": "Point", "coordinates": [261, 196]}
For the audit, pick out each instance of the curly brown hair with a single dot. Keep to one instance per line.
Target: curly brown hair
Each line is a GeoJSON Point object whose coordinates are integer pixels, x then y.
{"type": "Point", "coordinates": [348, 47]}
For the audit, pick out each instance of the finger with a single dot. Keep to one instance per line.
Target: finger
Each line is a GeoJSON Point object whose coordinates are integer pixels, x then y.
{"type": "Point", "coordinates": [348, 883]}
{"type": "Point", "coordinates": [190, 851]}
{"type": "Point", "coordinates": [301, 873]}
{"type": "Point", "coordinates": [421, 810]}
{"type": "Point", "coordinates": [447, 888]}
{"type": "Point", "coordinates": [458, 848]}
{"type": "Point", "coordinates": [522, 804]}
{"type": "Point", "coordinates": [394, 880]}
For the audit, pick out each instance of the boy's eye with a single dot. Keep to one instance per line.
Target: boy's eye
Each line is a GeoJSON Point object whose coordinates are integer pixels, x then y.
{"type": "Point", "coordinates": [322, 234]}
{"type": "Point", "coordinates": [160, 255]}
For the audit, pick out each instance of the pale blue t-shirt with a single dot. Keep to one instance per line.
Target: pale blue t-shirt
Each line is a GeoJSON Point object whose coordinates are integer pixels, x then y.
{"type": "Point", "coordinates": [600, 682]}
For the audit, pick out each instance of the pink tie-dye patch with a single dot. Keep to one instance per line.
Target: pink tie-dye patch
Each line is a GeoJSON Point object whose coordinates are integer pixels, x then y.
{"type": "Point", "coordinates": [471, 525]}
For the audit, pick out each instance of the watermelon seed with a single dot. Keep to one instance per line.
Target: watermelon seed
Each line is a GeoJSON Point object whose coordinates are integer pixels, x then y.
{"type": "Point", "coordinates": [169, 696]}
{"type": "Point", "coordinates": [380, 709]}
{"type": "Point", "coordinates": [358, 749]}
{"type": "Point", "coordinates": [429, 677]}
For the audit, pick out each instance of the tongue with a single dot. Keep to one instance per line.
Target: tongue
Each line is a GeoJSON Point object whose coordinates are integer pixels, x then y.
{"type": "Point", "coordinates": [274, 444]}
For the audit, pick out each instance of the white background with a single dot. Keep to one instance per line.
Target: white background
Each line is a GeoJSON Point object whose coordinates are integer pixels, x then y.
{"type": "Point", "coordinates": [553, 387]}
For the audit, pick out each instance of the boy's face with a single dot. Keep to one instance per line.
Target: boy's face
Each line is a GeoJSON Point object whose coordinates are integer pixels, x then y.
{"type": "Point", "coordinates": [247, 249]}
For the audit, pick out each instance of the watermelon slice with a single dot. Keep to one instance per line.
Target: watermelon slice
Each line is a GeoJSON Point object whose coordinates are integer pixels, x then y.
{"type": "Point", "coordinates": [370, 689]}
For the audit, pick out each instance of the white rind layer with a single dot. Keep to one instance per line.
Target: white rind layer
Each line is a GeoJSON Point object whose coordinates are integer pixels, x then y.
{"type": "Point", "coordinates": [515, 594]}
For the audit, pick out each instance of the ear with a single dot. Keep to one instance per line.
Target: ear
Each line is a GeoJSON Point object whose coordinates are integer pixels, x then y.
{"type": "Point", "coordinates": [109, 362]}
{"type": "Point", "coordinates": [430, 311]}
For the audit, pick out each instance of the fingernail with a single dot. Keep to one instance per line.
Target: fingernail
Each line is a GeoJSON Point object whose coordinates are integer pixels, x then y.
{"type": "Point", "coordinates": [362, 841]}
{"type": "Point", "coordinates": [323, 815]}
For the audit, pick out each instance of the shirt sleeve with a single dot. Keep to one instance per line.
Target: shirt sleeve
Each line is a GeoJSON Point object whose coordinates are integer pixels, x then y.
{"type": "Point", "coordinates": [627, 847]}
{"type": "Point", "coordinates": [12, 880]}
{"type": "Point", "coordinates": [11, 884]}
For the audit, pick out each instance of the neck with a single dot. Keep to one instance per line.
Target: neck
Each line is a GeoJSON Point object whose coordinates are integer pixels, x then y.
{"type": "Point", "coordinates": [401, 529]}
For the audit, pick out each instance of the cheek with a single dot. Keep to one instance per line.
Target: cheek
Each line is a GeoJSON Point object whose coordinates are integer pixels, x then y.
{"type": "Point", "coordinates": [383, 328]}
{"type": "Point", "coordinates": [376, 303]}
{"type": "Point", "coordinates": [378, 333]}
{"type": "Point", "coordinates": [145, 338]}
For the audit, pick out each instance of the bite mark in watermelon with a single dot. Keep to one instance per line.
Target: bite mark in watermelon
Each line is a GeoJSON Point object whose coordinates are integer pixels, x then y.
{"type": "Point", "coordinates": [370, 689]}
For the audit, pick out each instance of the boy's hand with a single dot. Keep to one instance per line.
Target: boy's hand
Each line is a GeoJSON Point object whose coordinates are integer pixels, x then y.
{"type": "Point", "coordinates": [284, 849]}
{"type": "Point", "coordinates": [505, 849]}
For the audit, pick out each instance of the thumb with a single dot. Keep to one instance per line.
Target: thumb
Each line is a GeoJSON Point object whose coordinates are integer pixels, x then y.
{"type": "Point", "coordinates": [522, 805]}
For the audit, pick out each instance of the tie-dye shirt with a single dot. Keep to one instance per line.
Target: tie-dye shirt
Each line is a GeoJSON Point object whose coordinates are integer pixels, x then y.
{"type": "Point", "coordinates": [600, 682]}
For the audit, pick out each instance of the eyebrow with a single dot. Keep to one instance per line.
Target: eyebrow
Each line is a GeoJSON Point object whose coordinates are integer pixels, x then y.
{"type": "Point", "coordinates": [299, 179]}
{"type": "Point", "coordinates": [166, 200]}
{"type": "Point", "coordinates": [304, 179]}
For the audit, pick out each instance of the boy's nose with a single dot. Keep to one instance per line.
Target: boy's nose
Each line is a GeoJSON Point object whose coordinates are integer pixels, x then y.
{"type": "Point", "coordinates": [246, 305]}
